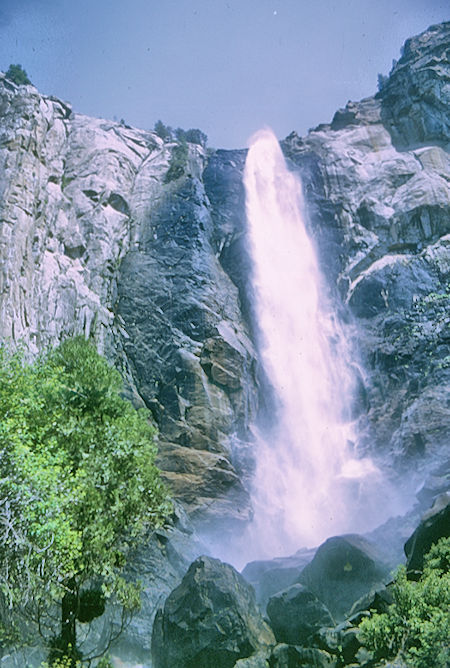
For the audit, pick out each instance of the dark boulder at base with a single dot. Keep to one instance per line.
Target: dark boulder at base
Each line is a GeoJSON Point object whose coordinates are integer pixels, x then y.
{"type": "Point", "coordinates": [295, 614]}
{"type": "Point", "coordinates": [344, 569]}
{"type": "Point", "coordinates": [435, 524]}
{"type": "Point", "coordinates": [289, 656]}
{"type": "Point", "coordinates": [209, 621]}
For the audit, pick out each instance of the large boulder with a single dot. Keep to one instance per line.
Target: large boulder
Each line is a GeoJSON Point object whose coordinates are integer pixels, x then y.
{"type": "Point", "coordinates": [435, 524]}
{"type": "Point", "coordinates": [343, 569]}
{"type": "Point", "coordinates": [209, 621]}
{"type": "Point", "coordinates": [296, 614]}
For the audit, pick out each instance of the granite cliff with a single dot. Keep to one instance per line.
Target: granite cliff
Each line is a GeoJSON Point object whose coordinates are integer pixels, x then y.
{"type": "Point", "coordinates": [96, 237]}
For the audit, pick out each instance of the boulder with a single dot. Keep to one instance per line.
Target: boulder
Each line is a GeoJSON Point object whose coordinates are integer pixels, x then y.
{"type": "Point", "coordinates": [435, 524]}
{"type": "Point", "coordinates": [289, 656]}
{"type": "Point", "coordinates": [295, 614]}
{"type": "Point", "coordinates": [209, 621]}
{"type": "Point", "coordinates": [343, 569]}
{"type": "Point", "coordinates": [271, 576]}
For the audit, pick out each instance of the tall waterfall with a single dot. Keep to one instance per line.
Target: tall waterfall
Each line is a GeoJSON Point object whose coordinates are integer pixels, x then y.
{"type": "Point", "coordinates": [308, 482]}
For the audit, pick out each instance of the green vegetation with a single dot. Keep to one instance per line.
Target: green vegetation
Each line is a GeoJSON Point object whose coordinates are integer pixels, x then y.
{"type": "Point", "coordinates": [178, 161]}
{"type": "Point", "coordinates": [17, 74]}
{"type": "Point", "coordinates": [192, 136]}
{"type": "Point", "coordinates": [78, 485]}
{"type": "Point", "coordinates": [164, 132]}
{"type": "Point", "coordinates": [417, 625]}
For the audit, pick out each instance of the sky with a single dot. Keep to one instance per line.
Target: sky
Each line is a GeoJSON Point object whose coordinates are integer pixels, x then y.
{"type": "Point", "coordinates": [228, 67]}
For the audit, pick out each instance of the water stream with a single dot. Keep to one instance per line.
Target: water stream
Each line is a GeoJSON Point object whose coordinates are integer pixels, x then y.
{"type": "Point", "coordinates": [309, 483]}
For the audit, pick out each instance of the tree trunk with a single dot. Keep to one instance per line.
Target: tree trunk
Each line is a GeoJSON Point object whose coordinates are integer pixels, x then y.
{"type": "Point", "coordinates": [68, 637]}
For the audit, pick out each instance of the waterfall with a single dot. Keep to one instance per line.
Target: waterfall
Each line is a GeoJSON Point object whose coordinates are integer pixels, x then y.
{"type": "Point", "coordinates": [308, 483]}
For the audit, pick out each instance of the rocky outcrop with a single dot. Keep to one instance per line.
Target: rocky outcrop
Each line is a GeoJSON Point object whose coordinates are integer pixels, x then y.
{"type": "Point", "coordinates": [209, 621]}
{"type": "Point", "coordinates": [96, 239]}
{"type": "Point", "coordinates": [416, 96]}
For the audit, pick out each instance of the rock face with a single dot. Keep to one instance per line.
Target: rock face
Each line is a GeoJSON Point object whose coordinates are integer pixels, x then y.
{"type": "Point", "coordinates": [209, 621]}
{"type": "Point", "coordinates": [96, 239]}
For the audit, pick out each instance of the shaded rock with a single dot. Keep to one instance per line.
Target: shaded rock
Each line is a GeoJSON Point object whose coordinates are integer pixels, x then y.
{"type": "Point", "coordinates": [271, 576]}
{"type": "Point", "coordinates": [415, 98]}
{"type": "Point", "coordinates": [288, 656]}
{"type": "Point", "coordinates": [343, 569]}
{"type": "Point", "coordinates": [350, 645]}
{"type": "Point", "coordinates": [435, 524]}
{"type": "Point", "coordinates": [258, 660]}
{"type": "Point", "coordinates": [209, 621]}
{"type": "Point", "coordinates": [378, 601]}
{"type": "Point", "coordinates": [295, 614]}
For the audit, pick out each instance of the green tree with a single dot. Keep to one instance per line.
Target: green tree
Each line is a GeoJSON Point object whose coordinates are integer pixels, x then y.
{"type": "Point", "coordinates": [78, 486]}
{"type": "Point", "coordinates": [17, 74]}
{"type": "Point", "coordinates": [164, 132]}
{"type": "Point", "coordinates": [417, 624]}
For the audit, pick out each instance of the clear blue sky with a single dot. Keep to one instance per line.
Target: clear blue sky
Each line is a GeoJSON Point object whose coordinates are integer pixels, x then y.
{"type": "Point", "coordinates": [227, 67]}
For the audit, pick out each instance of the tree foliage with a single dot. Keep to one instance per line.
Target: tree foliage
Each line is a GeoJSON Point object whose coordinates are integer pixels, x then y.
{"type": "Point", "coordinates": [417, 625]}
{"type": "Point", "coordinates": [17, 74]}
{"type": "Point", "coordinates": [78, 485]}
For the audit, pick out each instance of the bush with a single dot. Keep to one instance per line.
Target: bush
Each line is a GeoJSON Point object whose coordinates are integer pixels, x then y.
{"type": "Point", "coordinates": [417, 625]}
{"type": "Point", "coordinates": [17, 74]}
{"type": "Point", "coordinates": [178, 161]}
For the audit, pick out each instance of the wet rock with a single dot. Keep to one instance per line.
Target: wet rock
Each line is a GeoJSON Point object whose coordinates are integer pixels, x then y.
{"type": "Point", "coordinates": [435, 524]}
{"type": "Point", "coordinates": [288, 656]}
{"type": "Point", "coordinates": [209, 621]}
{"type": "Point", "coordinates": [343, 569]}
{"type": "Point", "coordinates": [271, 576]}
{"type": "Point", "coordinates": [296, 614]}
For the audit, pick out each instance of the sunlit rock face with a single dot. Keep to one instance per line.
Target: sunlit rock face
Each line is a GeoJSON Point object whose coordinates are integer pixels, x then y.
{"type": "Point", "coordinates": [377, 183]}
{"type": "Point", "coordinates": [96, 240]}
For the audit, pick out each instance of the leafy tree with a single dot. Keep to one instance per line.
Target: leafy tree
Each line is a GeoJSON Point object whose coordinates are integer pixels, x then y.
{"type": "Point", "coordinates": [193, 136]}
{"type": "Point", "coordinates": [17, 74]}
{"type": "Point", "coordinates": [417, 625]}
{"type": "Point", "coordinates": [163, 131]}
{"type": "Point", "coordinates": [78, 486]}
{"type": "Point", "coordinates": [196, 136]}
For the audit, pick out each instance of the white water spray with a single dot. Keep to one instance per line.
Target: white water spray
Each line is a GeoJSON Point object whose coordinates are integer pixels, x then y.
{"type": "Point", "coordinates": [308, 484]}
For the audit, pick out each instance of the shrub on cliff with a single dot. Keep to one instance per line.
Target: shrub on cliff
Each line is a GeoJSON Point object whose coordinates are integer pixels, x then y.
{"type": "Point", "coordinates": [178, 161]}
{"type": "Point", "coordinates": [17, 74]}
{"type": "Point", "coordinates": [78, 485]}
{"type": "Point", "coordinates": [417, 625]}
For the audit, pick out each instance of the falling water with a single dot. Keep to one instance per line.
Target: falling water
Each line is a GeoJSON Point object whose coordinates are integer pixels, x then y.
{"type": "Point", "coordinates": [308, 483]}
